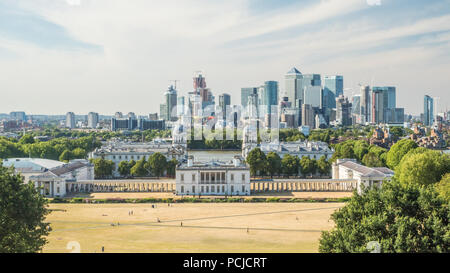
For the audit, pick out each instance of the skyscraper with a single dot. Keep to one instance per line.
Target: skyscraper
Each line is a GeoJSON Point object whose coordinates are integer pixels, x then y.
{"type": "Point", "coordinates": [307, 116]}
{"type": "Point", "coordinates": [293, 81]}
{"type": "Point", "coordinates": [169, 111]}
{"type": "Point", "coordinates": [365, 104]}
{"type": "Point", "coordinates": [224, 101]}
{"type": "Point", "coordinates": [428, 111]}
{"type": "Point", "coordinates": [383, 99]}
{"type": "Point", "coordinates": [181, 108]}
{"type": "Point", "coordinates": [343, 111]}
{"type": "Point", "coordinates": [70, 120]}
{"type": "Point", "coordinates": [312, 95]}
{"type": "Point", "coordinates": [92, 120]}
{"type": "Point", "coordinates": [268, 96]}
{"type": "Point", "coordinates": [247, 92]}
{"type": "Point", "coordinates": [333, 87]}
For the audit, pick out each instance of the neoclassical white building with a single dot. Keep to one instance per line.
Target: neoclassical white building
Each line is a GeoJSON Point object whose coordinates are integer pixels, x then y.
{"type": "Point", "coordinates": [118, 151]}
{"type": "Point", "coordinates": [51, 176]}
{"type": "Point", "coordinates": [367, 176]}
{"type": "Point", "coordinates": [213, 178]}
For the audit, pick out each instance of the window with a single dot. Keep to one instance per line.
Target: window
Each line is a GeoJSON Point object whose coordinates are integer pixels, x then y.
{"type": "Point", "coordinates": [57, 189]}
{"type": "Point", "coordinates": [232, 188]}
{"type": "Point", "coordinates": [132, 157]}
{"type": "Point", "coordinates": [207, 188]}
{"type": "Point", "coordinates": [182, 189]}
{"type": "Point", "coordinates": [223, 188]}
{"type": "Point", "coordinates": [243, 177]}
{"type": "Point", "coordinates": [193, 177]}
{"type": "Point", "coordinates": [120, 157]}
{"type": "Point", "coordinates": [212, 188]}
{"type": "Point", "coordinates": [202, 177]}
{"type": "Point", "coordinates": [114, 157]}
{"type": "Point", "coordinates": [243, 188]}
{"type": "Point", "coordinates": [182, 177]}
{"type": "Point", "coordinates": [232, 177]}
{"type": "Point", "coordinates": [223, 177]}
{"type": "Point", "coordinates": [126, 157]}
{"type": "Point", "coordinates": [207, 177]}
{"type": "Point", "coordinates": [203, 189]}
{"type": "Point", "coordinates": [193, 189]}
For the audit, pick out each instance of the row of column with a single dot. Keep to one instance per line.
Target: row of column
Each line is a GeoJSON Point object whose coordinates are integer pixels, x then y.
{"type": "Point", "coordinates": [120, 187]}
{"type": "Point", "coordinates": [302, 186]}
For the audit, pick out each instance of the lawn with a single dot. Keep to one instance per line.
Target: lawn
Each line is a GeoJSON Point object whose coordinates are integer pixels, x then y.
{"type": "Point", "coordinates": [212, 227]}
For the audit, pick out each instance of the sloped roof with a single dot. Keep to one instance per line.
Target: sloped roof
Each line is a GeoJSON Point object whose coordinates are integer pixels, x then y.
{"type": "Point", "coordinates": [31, 164]}
{"type": "Point", "coordinates": [67, 168]}
{"type": "Point", "coordinates": [367, 171]}
{"type": "Point", "coordinates": [293, 71]}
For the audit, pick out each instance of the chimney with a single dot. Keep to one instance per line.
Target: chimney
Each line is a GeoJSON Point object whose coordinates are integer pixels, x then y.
{"type": "Point", "coordinates": [236, 161]}
{"type": "Point", "coordinates": [190, 161]}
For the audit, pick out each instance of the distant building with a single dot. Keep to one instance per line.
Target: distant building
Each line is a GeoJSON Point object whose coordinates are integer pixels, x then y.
{"type": "Point", "coordinates": [343, 111]}
{"type": "Point", "coordinates": [129, 123]}
{"type": "Point", "coordinates": [308, 115]}
{"type": "Point", "coordinates": [70, 120]}
{"type": "Point", "coordinates": [333, 87]}
{"type": "Point", "coordinates": [247, 92]}
{"type": "Point", "coordinates": [118, 151]}
{"type": "Point", "coordinates": [170, 109]}
{"type": "Point", "coordinates": [213, 178]}
{"type": "Point", "coordinates": [20, 116]}
{"type": "Point", "coordinates": [294, 86]}
{"type": "Point", "coordinates": [428, 111]}
{"type": "Point", "coordinates": [311, 149]}
{"type": "Point", "coordinates": [93, 120]}
{"type": "Point", "coordinates": [366, 177]}
{"type": "Point", "coordinates": [365, 104]}
{"type": "Point", "coordinates": [224, 102]}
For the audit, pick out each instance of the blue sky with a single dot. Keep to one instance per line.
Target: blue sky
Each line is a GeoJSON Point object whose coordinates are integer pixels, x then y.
{"type": "Point", "coordinates": [117, 55]}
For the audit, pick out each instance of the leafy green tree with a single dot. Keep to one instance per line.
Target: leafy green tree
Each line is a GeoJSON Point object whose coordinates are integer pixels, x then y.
{"type": "Point", "coordinates": [103, 168]}
{"type": "Point", "coordinates": [22, 215]}
{"type": "Point", "coordinates": [66, 156]}
{"type": "Point", "coordinates": [399, 219]}
{"type": "Point", "coordinates": [290, 164]}
{"type": "Point", "coordinates": [397, 132]}
{"type": "Point", "coordinates": [257, 161]}
{"type": "Point", "coordinates": [26, 139]}
{"type": "Point", "coordinates": [139, 169]}
{"type": "Point", "coordinates": [79, 153]}
{"type": "Point", "coordinates": [372, 160]}
{"type": "Point", "coordinates": [324, 166]}
{"type": "Point", "coordinates": [422, 169]}
{"type": "Point", "coordinates": [273, 163]}
{"type": "Point", "coordinates": [171, 166]}
{"type": "Point", "coordinates": [124, 167]}
{"type": "Point", "coordinates": [398, 150]}
{"type": "Point", "coordinates": [360, 149]}
{"type": "Point", "coordinates": [157, 163]}
{"type": "Point", "coordinates": [443, 187]}
{"type": "Point", "coordinates": [307, 165]}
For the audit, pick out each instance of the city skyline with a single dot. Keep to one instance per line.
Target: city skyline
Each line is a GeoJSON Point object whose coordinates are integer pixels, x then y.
{"type": "Point", "coordinates": [54, 63]}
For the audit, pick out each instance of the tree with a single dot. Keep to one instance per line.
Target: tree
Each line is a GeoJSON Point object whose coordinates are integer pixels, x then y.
{"type": "Point", "coordinates": [171, 166]}
{"type": "Point", "coordinates": [273, 163]}
{"type": "Point", "coordinates": [22, 215]}
{"type": "Point", "coordinates": [307, 165]}
{"type": "Point", "coordinates": [79, 153]}
{"type": "Point", "coordinates": [103, 168]}
{"type": "Point", "coordinates": [124, 167]}
{"type": "Point", "coordinates": [157, 162]}
{"type": "Point", "coordinates": [443, 187]}
{"type": "Point", "coordinates": [398, 150]}
{"type": "Point", "coordinates": [360, 149]}
{"type": "Point", "coordinates": [372, 160]}
{"type": "Point", "coordinates": [422, 168]}
{"type": "Point", "coordinates": [290, 164]}
{"type": "Point", "coordinates": [399, 219]}
{"type": "Point", "coordinates": [26, 139]}
{"type": "Point", "coordinates": [323, 166]}
{"type": "Point", "coordinates": [65, 156]}
{"type": "Point", "coordinates": [139, 169]}
{"type": "Point", "coordinates": [257, 161]}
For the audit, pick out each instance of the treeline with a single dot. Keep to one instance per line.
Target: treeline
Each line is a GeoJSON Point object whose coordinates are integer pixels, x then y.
{"type": "Point", "coordinates": [63, 148]}
{"type": "Point", "coordinates": [157, 165]}
{"type": "Point", "coordinates": [272, 164]}
{"type": "Point", "coordinates": [146, 135]}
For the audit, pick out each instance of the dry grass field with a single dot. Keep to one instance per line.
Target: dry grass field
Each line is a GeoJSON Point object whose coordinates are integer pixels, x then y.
{"type": "Point", "coordinates": [207, 227]}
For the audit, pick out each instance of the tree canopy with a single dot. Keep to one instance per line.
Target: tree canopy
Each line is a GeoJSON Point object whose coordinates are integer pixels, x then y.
{"type": "Point", "coordinates": [398, 150]}
{"type": "Point", "coordinates": [399, 219]}
{"type": "Point", "coordinates": [22, 215]}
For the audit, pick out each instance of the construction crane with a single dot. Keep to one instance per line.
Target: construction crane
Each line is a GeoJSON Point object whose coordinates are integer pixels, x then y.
{"type": "Point", "coordinates": [175, 83]}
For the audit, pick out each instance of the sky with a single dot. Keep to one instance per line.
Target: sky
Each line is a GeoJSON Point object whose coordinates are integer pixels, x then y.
{"type": "Point", "coordinates": [105, 56]}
